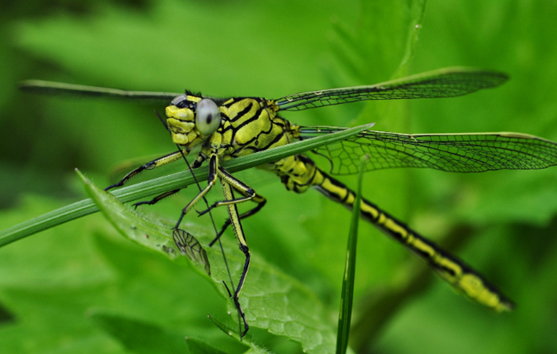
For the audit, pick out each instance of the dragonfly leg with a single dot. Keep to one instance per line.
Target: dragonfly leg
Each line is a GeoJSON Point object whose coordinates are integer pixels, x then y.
{"type": "Point", "coordinates": [260, 204]}
{"type": "Point", "coordinates": [240, 236]}
{"type": "Point", "coordinates": [229, 184]}
{"type": "Point", "coordinates": [166, 159]}
{"type": "Point", "coordinates": [158, 198]}
{"type": "Point", "coordinates": [212, 180]}
{"type": "Point", "coordinates": [249, 195]}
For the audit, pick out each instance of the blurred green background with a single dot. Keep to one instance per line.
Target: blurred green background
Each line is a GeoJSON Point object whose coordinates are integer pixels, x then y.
{"type": "Point", "coordinates": [80, 288]}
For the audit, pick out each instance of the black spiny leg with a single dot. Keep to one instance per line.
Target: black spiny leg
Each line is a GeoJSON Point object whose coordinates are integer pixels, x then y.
{"type": "Point", "coordinates": [148, 166]}
{"type": "Point", "coordinates": [240, 236]}
{"type": "Point", "coordinates": [158, 198]}
{"type": "Point", "coordinates": [212, 180]}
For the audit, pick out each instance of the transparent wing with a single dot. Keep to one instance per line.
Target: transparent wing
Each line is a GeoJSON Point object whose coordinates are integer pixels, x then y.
{"type": "Point", "coordinates": [189, 246]}
{"type": "Point", "coordinates": [58, 88]}
{"type": "Point", "coordinates": [442, 83]}
{"type": "Point", "coordinates": [467, 152]}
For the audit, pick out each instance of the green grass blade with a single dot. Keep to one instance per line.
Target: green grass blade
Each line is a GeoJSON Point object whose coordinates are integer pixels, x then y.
{"type": "Point", "coordinates": [347, 295]}
{"type": "Point", "coordinates": [163, 184]}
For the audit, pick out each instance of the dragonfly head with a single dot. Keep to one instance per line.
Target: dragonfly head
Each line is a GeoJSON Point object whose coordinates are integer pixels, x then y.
{"type": "Point", "coordinates": [191, 119]}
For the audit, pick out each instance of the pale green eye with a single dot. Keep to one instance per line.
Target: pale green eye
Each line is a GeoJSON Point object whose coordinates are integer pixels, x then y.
{"type": "Point", "coordinates": [208, 117]}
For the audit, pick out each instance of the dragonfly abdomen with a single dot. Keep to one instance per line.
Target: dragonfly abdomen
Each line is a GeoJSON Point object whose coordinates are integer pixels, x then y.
{"type": "Point", "coordinates": [461, 276]}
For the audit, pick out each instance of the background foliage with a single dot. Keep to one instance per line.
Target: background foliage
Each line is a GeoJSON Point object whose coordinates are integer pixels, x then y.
{"type": "Point", "coordinates": [81, 288]}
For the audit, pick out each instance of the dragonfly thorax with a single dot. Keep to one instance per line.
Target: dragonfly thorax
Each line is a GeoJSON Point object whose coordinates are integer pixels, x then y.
{"type": "Point", "coordinates": [249, 125]}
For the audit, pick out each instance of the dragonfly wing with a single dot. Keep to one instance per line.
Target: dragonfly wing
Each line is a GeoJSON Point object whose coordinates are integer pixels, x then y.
{"type": "Point", "coordinates": [189, 246]}
{"type": "Point", "coordinates": [467, 152]}
{"type": "Point", "coordinates": [450, 82]}
{"type": "Point", "coordinates": [58, 88]}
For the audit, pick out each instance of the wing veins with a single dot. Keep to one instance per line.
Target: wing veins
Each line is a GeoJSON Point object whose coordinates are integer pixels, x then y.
{"type": "Point", "coordinates": [478, 152]}
{"type": "Point", "coordinates": [442, 83]}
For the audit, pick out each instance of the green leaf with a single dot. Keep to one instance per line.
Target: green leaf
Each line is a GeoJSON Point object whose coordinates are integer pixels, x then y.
{"type": "Point", "coordinates": [201, 347]}
{"type": "Point", "coordinates": [232, 50]}
{"type": "Point", "coordinates": [247, 339]}
{"type": "Point", "coordinates": [51, 320]}
{"type": "Point", "coordinates": [142, 337]}
{"type": "Point", "coordinates": [270, 299]}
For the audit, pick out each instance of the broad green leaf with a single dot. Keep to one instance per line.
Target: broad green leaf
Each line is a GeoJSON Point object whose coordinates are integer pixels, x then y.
{"type": "Point", "coordinates": [142, 337]}
{"type": "Point", "coordinates": [247, 339]}
{"type": "Point", "coordinates": [270, 299]}
{"type": "Point", "coordinates": [50, 320]}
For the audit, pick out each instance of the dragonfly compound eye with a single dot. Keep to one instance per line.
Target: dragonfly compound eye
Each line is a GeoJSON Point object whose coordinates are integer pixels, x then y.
{"type": "Point", "coordinates": [208, 117]}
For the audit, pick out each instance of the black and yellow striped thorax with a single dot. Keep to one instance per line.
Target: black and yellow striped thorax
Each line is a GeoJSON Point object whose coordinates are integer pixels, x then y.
{"type": "Point", "coordinates": [247, 125]}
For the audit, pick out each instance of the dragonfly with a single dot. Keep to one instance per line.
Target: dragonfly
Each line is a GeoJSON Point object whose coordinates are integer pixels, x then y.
{"type": "Point", "coordinates": [220, 129]}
